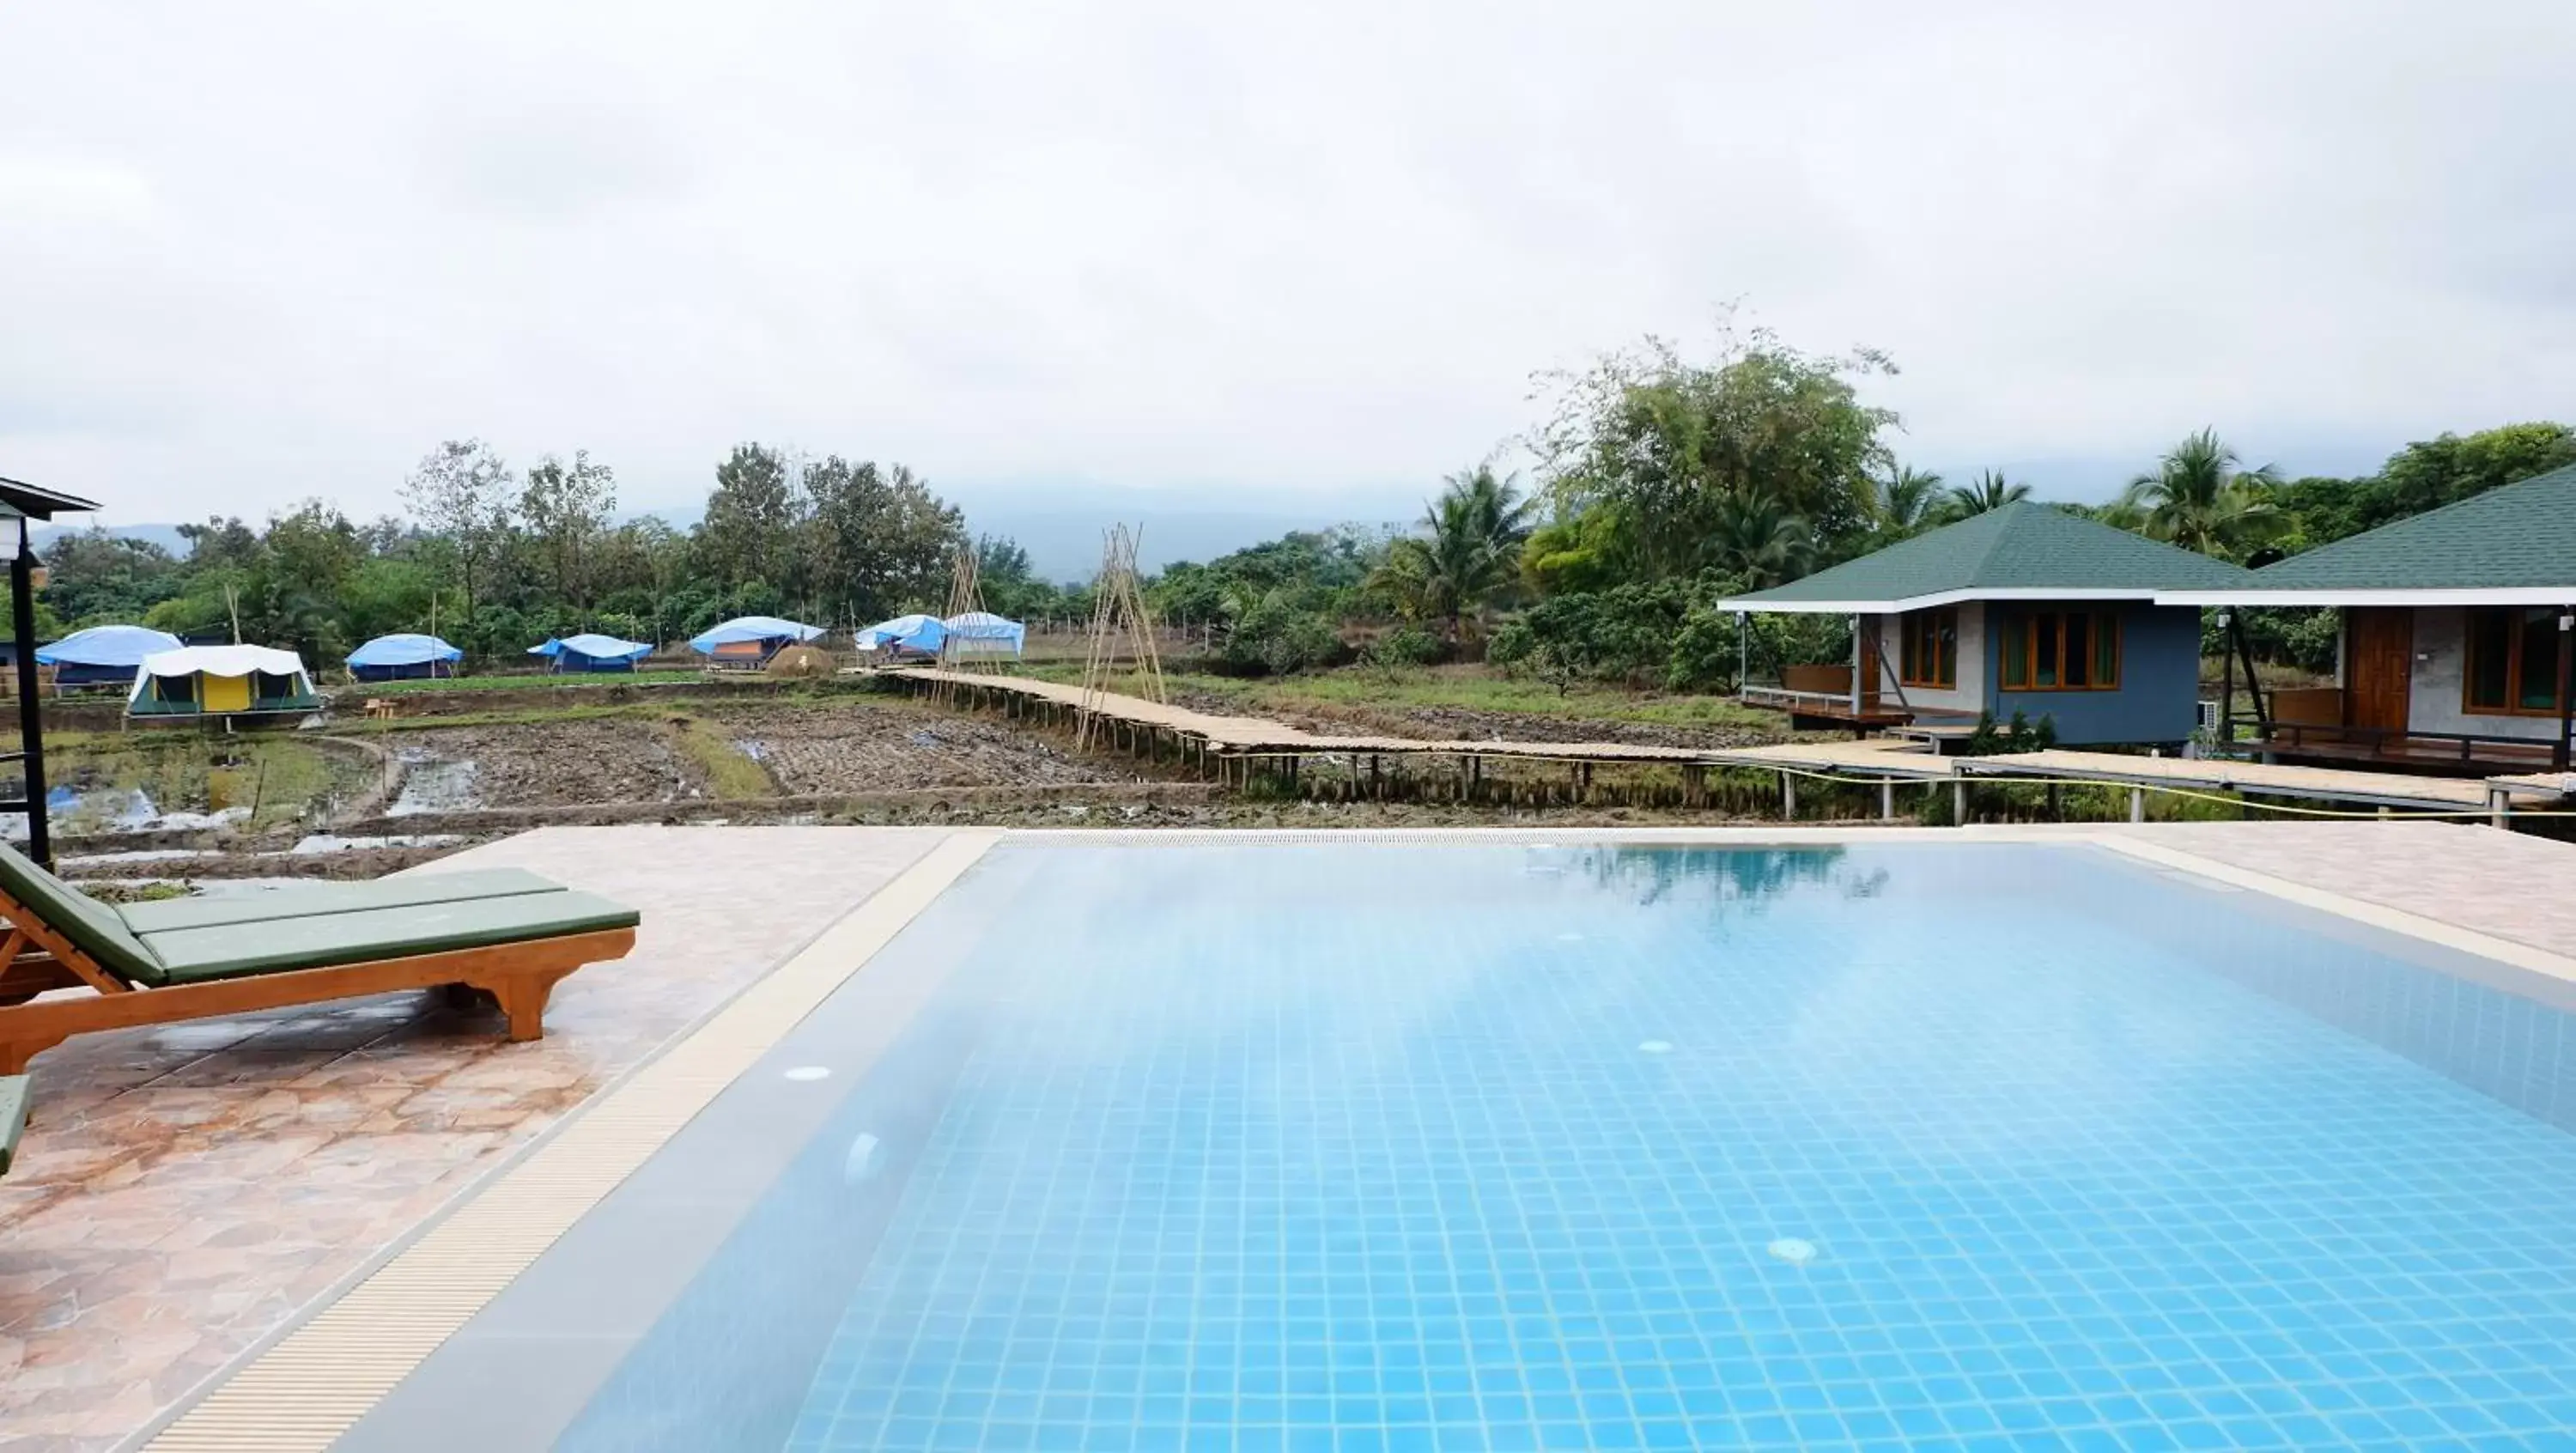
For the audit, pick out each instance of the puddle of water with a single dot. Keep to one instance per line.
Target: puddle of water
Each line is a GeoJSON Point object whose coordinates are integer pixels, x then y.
{"type": "Point", "coordinates": [436, 784]}
{"type": "Point", "coordinates": [315, 844]}
{"type": "Point", "coordinates": [121, 809]}
{"type": "Point", "coordinates": [139, 855]}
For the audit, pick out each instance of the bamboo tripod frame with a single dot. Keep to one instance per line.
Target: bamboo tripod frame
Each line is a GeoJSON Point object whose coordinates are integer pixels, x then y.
{"type": "Point", "coordinates": [1118, 617]}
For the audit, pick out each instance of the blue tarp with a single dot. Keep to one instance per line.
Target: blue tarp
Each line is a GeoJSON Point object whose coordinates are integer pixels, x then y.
{"type": "Point", "coordinates": [752, 628]}
{"type": "Point", "coordinates": [403, 655]}
{"type": "Point", "coordinates": [590, 652]}
{"type": "Point", "coordinates": [910, 633]}
{"type": "Point", "coordinates": [982, 633]}
{"type": "Point", "coordinates": [103, 653]}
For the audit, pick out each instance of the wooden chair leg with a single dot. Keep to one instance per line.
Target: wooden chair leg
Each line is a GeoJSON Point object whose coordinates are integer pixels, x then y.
{"type": "Point", "coordinates": [523, 998]}
{"type": "Point", "coordinates": [14, 1053]}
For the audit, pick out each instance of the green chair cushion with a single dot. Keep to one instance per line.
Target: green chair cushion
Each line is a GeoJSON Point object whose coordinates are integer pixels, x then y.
{"type": "Point", "coordinates": [306, 901]}
{"type": "Point", "coordinates": [13, 1117]}
{"type": "Point", "coordinates": [86, 922]}
{"type": "Point", "coordinates": [268, 946]}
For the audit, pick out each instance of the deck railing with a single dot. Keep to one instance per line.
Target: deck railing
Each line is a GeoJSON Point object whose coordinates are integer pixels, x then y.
{"type": "Point", "coordinates": [1782, 698]}
{"type": "Point", "coordinates": [2393, 744]}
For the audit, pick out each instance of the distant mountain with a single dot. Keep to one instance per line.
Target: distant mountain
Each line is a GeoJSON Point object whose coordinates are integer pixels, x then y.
{"type": "Point", "coordinates": [1061, 527]}
{"type": "Point", "coordinates": [165, 536]}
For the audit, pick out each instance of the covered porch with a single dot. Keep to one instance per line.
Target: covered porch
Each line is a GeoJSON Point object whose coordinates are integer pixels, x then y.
{"type": "Point", "coordinates": [2467, 689]}
{"type": "Point", "coordinates": [2457, 643]}
{"type": "Point", "coordinates": [1827, 695]}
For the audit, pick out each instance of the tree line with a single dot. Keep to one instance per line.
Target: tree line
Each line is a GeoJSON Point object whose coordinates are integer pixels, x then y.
{"type": "Point", "coordinates": [495, 559]}
{"type": "Point", "coordinates": [1664, 485]}
{"type": "Point", "coordinates": [1661, 485]}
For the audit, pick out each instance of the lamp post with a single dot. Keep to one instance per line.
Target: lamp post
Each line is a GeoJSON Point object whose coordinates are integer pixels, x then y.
{"type": "Point", "coordinates": [23, 570]}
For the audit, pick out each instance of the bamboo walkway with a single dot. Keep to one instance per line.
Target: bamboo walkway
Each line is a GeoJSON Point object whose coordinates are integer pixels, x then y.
{"type": "Point", "coordinates": [1232, 748]}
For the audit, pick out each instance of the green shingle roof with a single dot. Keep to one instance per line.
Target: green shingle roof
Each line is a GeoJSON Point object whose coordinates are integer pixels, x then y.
{"type": "Point", "coordinates": [2522, 535]}
{"type": "Point", "coordinates": [2019, 548]}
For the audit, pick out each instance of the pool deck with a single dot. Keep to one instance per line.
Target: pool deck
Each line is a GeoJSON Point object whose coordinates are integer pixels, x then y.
{"type": "Point", "coordinates": [184, 1192]}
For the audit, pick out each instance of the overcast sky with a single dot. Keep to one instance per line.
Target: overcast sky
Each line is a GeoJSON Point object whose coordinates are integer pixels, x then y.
{"type": "Point", "coordinates": [251, 253]}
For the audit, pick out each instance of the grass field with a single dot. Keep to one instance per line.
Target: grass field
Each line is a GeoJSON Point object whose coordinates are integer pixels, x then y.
{"type": "Point", "coordinates": [1462, 688]}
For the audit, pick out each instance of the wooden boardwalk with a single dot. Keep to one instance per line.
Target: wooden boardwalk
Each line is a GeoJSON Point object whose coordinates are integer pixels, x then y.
{"type": "Point", "coordinates": [2267, 779]}
{"type": "Point", "coordinates": [1231, 747]}
{"type": "Point", "coordinates": [1261, 737]}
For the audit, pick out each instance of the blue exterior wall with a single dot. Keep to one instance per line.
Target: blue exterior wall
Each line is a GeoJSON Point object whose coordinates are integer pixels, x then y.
{"type": "Point", "coordinates": [2159, 696]}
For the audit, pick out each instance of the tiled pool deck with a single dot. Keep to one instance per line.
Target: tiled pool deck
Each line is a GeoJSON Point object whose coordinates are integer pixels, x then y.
{"type": "Point", "coordinates": [185, 1190]}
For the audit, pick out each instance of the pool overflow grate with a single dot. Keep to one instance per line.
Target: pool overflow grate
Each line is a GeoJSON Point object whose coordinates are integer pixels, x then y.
{"type": "Point", "coordinates": [304, 1392]}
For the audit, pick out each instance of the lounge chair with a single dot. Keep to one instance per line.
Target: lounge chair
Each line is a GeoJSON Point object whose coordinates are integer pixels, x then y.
{"type": "Point", "coordinates": [13, 1117]}
{"type": "Point", "coordinates": [504, 932]}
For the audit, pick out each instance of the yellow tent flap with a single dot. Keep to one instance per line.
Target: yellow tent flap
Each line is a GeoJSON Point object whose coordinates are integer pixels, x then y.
{"type": "Point", "coordinates": [224, 693]}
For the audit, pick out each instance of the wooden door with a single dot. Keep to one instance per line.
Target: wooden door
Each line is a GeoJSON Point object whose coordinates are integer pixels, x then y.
{"type": "Point", "coordinates": [2378, 666]}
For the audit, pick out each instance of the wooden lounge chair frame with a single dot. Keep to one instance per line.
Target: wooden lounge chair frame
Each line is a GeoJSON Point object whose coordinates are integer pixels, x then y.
{"type": "Point", "coordinates": [35, 958]}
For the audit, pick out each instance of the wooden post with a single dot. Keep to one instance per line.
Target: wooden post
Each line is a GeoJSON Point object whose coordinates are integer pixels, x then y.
{"type": "Point", "coordinates": [1855, 674]}
{"type": "Point", "coordinates": [2227, 681]}
{"type": "Point", "coordinates": [2558, 750]}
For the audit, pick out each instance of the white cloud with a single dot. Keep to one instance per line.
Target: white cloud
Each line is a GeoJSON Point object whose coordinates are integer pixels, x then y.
{"type": "Point", "coordinates": [262, 251]}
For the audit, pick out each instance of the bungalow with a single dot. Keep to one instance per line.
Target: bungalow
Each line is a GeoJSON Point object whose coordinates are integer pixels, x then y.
{"type": "Point", "coordinates": [2458, 639]}
{"type": "Point", "coordinates": [2024, 609]}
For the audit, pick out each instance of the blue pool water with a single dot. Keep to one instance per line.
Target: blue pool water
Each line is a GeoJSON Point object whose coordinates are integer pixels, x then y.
{"type": "Point", "coordinates": [1365, 1149]}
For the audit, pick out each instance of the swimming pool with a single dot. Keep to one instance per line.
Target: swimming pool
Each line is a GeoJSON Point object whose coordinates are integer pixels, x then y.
{"type": "Point", "coordinates": [1363, 1148]}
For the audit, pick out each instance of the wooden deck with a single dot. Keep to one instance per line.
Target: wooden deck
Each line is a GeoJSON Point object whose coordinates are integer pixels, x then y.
{"type": "Point", "coordinates": [2449, 758]}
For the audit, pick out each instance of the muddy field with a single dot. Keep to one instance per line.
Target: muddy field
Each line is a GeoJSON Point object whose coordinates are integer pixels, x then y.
{"type": "Point", "coordinates": [891, 745]}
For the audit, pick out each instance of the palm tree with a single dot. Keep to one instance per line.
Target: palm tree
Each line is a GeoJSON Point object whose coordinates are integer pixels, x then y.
{"type": "Point", "coordinates": [1759, 540]}
{"type": "Point", "coordinates": [1908, 500]}
{"type": "Point", "coordinates": [1468, 552]}
{"type": "Point", "coordinates": [1991, 492]}
{"type": "Point", "coordinates": [2200, 500]}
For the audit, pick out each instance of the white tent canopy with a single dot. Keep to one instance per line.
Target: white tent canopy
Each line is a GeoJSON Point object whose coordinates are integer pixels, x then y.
{"type": "Point", "coordinates": [221, 661]}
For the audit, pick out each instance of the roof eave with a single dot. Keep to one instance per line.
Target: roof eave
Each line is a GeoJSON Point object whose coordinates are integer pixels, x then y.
{"type": "Point", "coordinates": [2348, 595]}
{"type": "Point", "coordinates": [39, 503]}
{"type": "Point", "coordinates": [1755, 605]}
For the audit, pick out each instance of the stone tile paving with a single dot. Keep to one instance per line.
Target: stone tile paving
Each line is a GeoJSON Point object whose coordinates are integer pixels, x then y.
{"type": "Point", "coordinates": [2512, 885]}
{"type": "Point", "coordinates": [184, 1189]}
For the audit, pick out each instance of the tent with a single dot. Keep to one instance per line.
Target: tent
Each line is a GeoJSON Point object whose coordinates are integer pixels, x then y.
{"type": "Point", "coordinates": [915, 635]}
{"type": "Point", "coordinates": [591, 653]}
{"type": "Point", "coordinates": [982, 633]}
{"type": "Point", "coordinates": [404, 657]}
{"type": "Point", "coordinates": [103, 654]}
{"type": "Point", "coordinates": [202, 681]}
{"type": "Point", "coordinates": [750, 640]}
